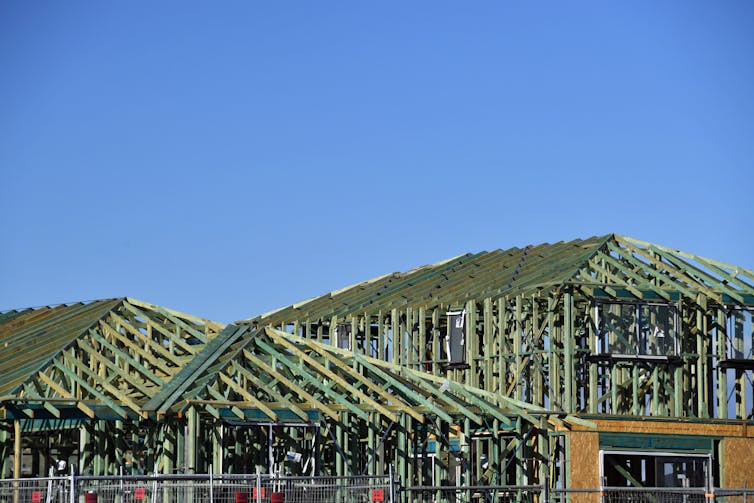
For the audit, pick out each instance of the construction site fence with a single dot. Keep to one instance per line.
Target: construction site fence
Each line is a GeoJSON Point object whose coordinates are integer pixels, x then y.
{"type": "Point", "coordinates": [260, 488]}
{"type": "Point", "coordinates": [207, 488]}
{"type": "Point", "coordinates": [540, 494]}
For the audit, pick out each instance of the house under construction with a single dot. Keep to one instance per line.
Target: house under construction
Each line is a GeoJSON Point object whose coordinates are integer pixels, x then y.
{"type": "Point", "coordinates": [600, 361]}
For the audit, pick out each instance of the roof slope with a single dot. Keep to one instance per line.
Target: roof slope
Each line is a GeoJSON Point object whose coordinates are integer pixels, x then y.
{"type": "Point", "coordinates": [274, 376]}
{"type": "Point", "coordinates": [611, 261]}
{"type": "Point", "coordinates": [114, 354]}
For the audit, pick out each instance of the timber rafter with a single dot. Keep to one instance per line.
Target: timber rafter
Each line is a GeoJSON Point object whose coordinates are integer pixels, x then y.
{"type": "Point", "coordinates": [112, 354]}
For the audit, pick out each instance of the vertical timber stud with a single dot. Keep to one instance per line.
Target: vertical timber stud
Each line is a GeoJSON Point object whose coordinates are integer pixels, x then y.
{"type": "Point", "coordinates": [722, 378]}
{"type": "Point", "coordinates": [381, 336]}
{"type": "Point", "coordinates": [5, 451]}
{"type": "Point", "coordinates": [517, 348]}
{"type": "Point", "coordinates": [472, 345]}
{"type": "Point", "coordinates": [100, 442]}
{"type": "Point", "coordinates": [519, 456]}
{"type": "Point", "coordinates": [17, 449]}
{"type": "Point", "coordinates": [352, 343]}
{"type": "Point", "coordinates": [191, 441]}
{"type": "Point", "coordinates": [168, 448]}
{"type": "Point", "coordinates": [217, 447]}
{"type": "Point", "coordinates": [487, 379]}
{"type": "Point", "coordinates": [400, 452]}
{"type": "Point", "coordinates": [543, 449]}
{"type": "Point", "coordinates": [409, 453]}
{"type": "Point", "coordinates": [371, 453]}
{"type": "Point", "coordinates": [119, 455]}
{"type": "Point", "coordinates": [436, 341]}
{"type": "Point", "coordinates": [539, 368]}
{"type": "Point", "coordinates": [466, 462]}
{"type": "Point", "coordinates": [502, 368]}
{"type": "Point", "coordinates": [422, 357]}
{"type": "Point", "coordinates": [395, 342]}
{"type": "Point", "coordinates": [593, 395]}
{"type": "Point", "coordinates": [702, 368]}
{"type": "Point", "coordinates": [85, 448]}
{"type": "Point", "coordinates": [180, 447]}
{"type": "Point", "coordinates": [568, 347]}
{"type": "Point", "coordinates": [678, 396]}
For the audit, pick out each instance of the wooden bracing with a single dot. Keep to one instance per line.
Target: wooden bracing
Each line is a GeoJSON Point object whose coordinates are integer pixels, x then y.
{"type": "Point", "coordinates": [552, 337]}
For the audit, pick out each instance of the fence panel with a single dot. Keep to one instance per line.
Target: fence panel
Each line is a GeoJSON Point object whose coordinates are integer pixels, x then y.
{"type": "Point", "coordinates": [41, 490]}
{"type": "Point", "coordinates": [233, 489]}
{"type": "Point", "coordinates": [330, 489]}
{"type": "Point", "coordinates": [145, 489]}
{"type": "Point", "coordinates": [741, 495]}
{"type": "Point", "coordinates": [655, 495]}
{"type": "Point", "coordinates": [206, 488]}
{"type": "Point", "coordinates": [481, 494]}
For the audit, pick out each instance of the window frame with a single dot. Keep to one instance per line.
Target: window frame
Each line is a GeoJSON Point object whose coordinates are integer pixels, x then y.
{"type": "Point", "coordinates": [638, 336]}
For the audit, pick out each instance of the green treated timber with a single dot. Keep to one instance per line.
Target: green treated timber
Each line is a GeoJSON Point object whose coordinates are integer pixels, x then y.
{"type": "Point", "coordinates": [298, 370]}
{"type": "Point", "coordinates": [233, 406]}
{"type": "Point", "coordinates": [746, 287]}
{"type": "Point", "coordinates": [249, 397]}
{"type": "Point", "coordinates": [657, 274]}
{"type": "Point", "coordinates": [702, 276]}
{"type": "Point", "coordinates": [165, 399]}
{"type": "Point", "coordinates": [156, 325]}
{"type": "Point", "coordinates": [137, 349]}
{"type": "Point", "coordinates": [269, 388]}
{"type": "Point", "coordinates": [334, 358]}
{"type": "Point", "coordinates": [273, 373]}
{"type": "Point", "coordinates": [154, 345]}
{"type": "Point", "coordinates": [12, 372]}
{"type": "Point", "coordinates": [450, 400]}
{"type": "Point", "coordinates": [173, 317]}
{"type": "Point", "coordinates": [609, 275]}
{"type": "Point", "coordinates": [642, 281]}
{"type": "Point", "coordinates": [94, 354]}
{"type": "Point", "coordinates": [678, 253]}
{"type": "Point", "coordinates": [104, 383]}
{"type": "Point", "coordinates": [650, 253]}
{"type": "Point", "coordinates": [127, 358]}
{"type": "Point", "coordinates": [66, 394]}
{"type": "Point", "coordinates": [336, 378]}
{"type": "Point", "coordinates": [100, 396]}
{"type": "Point", "coordinates": [399, 285]}
{"type": "Point", "coordinates": [407, 391]}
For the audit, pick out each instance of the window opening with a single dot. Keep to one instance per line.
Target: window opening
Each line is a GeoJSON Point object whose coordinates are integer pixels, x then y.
{"type": "Point", "coordinates": [343, 335]}
{"type": "Point", "coordinates": [455, 340]}
{"type": "Point", "coordinates": [655, 469]}
{"type": "Point", "coordinates": [637, 329]}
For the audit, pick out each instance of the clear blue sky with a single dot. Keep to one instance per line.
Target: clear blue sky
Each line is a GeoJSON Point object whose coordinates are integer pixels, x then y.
{"type": "Point", "coordinates": [228, 158]}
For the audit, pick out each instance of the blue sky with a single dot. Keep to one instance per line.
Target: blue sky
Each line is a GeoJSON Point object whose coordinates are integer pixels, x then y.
{"type": "Point", "coordinates": [228, 158]}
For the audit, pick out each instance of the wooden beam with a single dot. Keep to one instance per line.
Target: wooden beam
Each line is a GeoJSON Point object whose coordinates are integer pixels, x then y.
{"type": "Point", "coordinates": [64, 393]}
{"type": "Point", "coordinates": [313, 402]}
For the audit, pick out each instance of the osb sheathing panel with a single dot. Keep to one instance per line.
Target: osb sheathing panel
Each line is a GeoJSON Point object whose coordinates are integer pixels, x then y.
{"type": "Point", "coordinates": [675, 428]}
{"type": "Point", "coordinates": [738, 462]}
{"type": "Point", "coordinates": [585, 460]}
{"type": "Point", "coordinates": [585, 463]}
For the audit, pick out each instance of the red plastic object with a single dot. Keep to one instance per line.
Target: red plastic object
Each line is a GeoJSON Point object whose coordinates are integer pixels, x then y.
{"type": "Point", "coordinates": [378, 495]}
{"type": "Point", "coordinates": [36, 497]}
{"type": "Point", "coordinates": [242, 497]}
{"type": "Point", "coordinates": [261, 493]}
{"type": "Point", "coordinates": [277, 497]}
{"type": "Point", "coordinates": [139, 493]}
{"type": "Point", "coordinates": [90, 497]}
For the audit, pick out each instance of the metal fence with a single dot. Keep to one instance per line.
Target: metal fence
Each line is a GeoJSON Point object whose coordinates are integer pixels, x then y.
{"type": "Point", "coordinates": [459, 494]}
{"type": "Point", "coordinates": [208, 488]}
{"type": "Point", "coordinates": [198, 488]}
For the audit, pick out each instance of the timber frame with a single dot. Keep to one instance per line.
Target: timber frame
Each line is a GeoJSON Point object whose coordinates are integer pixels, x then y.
{"type": "Point", "coordinates": [556, 340]}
